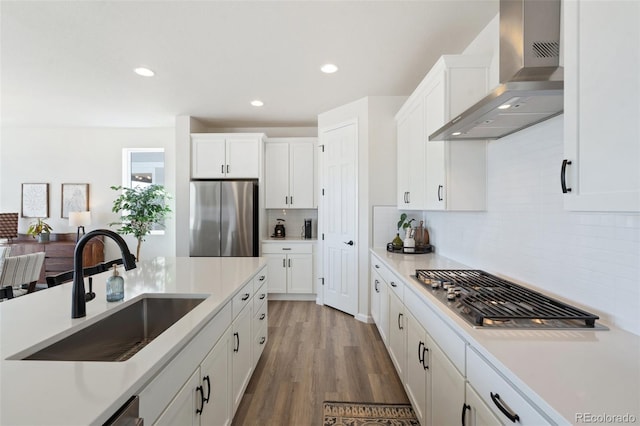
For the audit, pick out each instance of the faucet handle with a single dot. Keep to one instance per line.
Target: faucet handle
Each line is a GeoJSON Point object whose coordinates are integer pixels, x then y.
{"type": "Point", "coordinates": [90, 295]}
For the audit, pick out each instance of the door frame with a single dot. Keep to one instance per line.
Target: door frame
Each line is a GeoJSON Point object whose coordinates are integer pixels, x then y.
{"type": "Point", "coordinates": [322, 212]}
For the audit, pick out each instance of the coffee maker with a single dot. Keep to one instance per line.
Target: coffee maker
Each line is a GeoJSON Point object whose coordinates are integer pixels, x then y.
{"type": "Point", "coordinates": [279, 230]}
{"type": "Point", "coordinates": [307, 229]}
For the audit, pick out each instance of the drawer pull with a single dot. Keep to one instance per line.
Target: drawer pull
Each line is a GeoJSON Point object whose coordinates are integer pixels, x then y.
{"type": "Point", "coordinates": [262, 316]}
{"type": "Point", "coordinates": [262, 296]}
{"type": "Point", "coordinates": [504, 408]}
{"type": "Point", "coordinates": [199, 410]}
{"type": "Point", "coordinates": [206, 379]}
{"type": "Point", "coordinates": [377, 266]}
{"type": "Point", "coordinates": [262, 340]}
{"type": "Point", "coordinates": [262, 277]}
{"type": "Point", "coordinates": [286, 248]}
{"type": "Point", "coordinates": [425, 352]}
{"type": "Point", "coordinates": [245, 297]}
{"type": "Point", "coordinates": [465, 407]}
{"type": "Point", "coordinates": [393, 284]}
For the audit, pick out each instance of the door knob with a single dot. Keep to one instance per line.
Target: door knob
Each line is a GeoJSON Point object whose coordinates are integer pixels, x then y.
{"type": "Point", "coordinates": [350, 243]}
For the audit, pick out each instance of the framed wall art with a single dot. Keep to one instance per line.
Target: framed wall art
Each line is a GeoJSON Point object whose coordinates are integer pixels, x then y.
{"type": "Point", "coordinates": [35, 200]}
{"type": "Point", "coordinates": [75, 198]}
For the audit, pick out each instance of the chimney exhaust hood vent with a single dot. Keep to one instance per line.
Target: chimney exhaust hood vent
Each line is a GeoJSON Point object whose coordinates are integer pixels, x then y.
{"type": "Point", "coordinates": [532, 85]}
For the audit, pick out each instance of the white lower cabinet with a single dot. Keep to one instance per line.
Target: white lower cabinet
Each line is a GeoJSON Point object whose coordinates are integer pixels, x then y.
{"type": "Point", "coordinates": [506, 403]}
{"type": "Point", "coordinates": [475, 412]}
{"type": "Point", "coordinates": [182, 410]}
{"type": "Point", "coordinates": [290, 267]}
{"type": "Point", "coordinates": [433, 384]}
{"type": "Point", "coordinates": [241, 354]}
{"type": "Point", "coordinates": [204, 399]}
{"type": "Point", "coordinates": [204, 384]}
{"type": "Point", "coordinates": [397, 334]}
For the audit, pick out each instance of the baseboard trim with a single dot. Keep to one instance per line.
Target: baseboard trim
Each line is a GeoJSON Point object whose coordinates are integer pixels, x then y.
{"type": "Point", "coordinates": [298, 297]}
{"type": "Point", "coordinates": [364, 318]}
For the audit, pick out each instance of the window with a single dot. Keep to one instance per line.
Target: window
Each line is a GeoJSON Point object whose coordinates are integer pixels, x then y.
{"type": "Point", "coordinates": [143, 167]}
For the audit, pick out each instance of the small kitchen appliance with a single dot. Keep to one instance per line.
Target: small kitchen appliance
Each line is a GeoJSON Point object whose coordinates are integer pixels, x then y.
{"type": "Point", "coordinates": [279, 229]}
{"type": "Point", "coordinates": [488, 302]}
{"type": "Point", "coordinates": [307, 229]}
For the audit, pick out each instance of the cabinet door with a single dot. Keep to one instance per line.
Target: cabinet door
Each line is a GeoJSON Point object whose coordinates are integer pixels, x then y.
{"type": "Point", "coordinates": [215, 371]}
{"type": "Point", "coordinates": [477, 413]}
{"type": "Point", "coordinates": [397, 333]}
{"type": "Point", "coordinates": [277, 265]}
{"type": "Point", "coordinates": [411, 159]}
{"type": "Point", "coordinates": [182, 409]}
{"type": "Point", "coordinates": [301, 175]}
{"type": "Point", "coordinates": [243, 158]}
{"type": "Point", "coordinates": [436, 175]}
{"type": "Point", "coordinates": [241, 354]}
{"type": "Point", "coordinates": [276, 175]}
{"type": "Point", "coordinates": [376, 283]}
{"type": "Point", "coordinates": [383, 326]}
{"type": "Point", "coordinates": [417, 377]}
{"type": "Point", "coordinates": [208, 158]}
{"type": "Point", "coordinates": [447, 387]}
{"type": "Point", "coordinates": [601, 109]}
{"type": "Point", "coordinates": [300, 273]}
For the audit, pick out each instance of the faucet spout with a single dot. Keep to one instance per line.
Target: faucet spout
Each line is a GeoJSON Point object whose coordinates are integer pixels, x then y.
{"type": "Point", "coordinates": [78, 301]}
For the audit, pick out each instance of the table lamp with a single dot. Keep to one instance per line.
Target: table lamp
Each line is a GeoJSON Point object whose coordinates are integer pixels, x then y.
{"type": "Point", "coordinates": [80, 220]}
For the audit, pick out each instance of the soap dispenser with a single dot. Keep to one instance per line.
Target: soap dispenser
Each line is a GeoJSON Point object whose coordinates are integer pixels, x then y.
{"type": "Point", "coordinates": [115, 286]}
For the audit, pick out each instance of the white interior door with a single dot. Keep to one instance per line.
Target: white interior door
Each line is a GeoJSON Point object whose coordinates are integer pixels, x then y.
{"type": "Point", "coordinates": [340, 219]}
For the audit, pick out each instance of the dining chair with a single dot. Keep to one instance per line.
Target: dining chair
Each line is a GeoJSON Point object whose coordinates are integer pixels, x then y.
{"type": "Point", "coordinates": [23, 269]}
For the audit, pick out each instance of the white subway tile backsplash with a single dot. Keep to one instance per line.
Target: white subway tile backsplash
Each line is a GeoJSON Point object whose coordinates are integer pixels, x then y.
{"type": "Point", "coordinates": [589, 258]}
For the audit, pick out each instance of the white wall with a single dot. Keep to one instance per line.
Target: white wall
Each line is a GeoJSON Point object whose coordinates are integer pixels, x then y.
{"type": "Point", "coordinates": [81, 155]}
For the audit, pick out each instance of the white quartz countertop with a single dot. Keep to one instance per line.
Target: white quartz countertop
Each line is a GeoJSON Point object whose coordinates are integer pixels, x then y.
{"type": "Point", "coordinates": [82, 393]}
{"type": "Point", "coordinates": [566, 373]}
{"type": "Point", "coordinates": [289, 240]}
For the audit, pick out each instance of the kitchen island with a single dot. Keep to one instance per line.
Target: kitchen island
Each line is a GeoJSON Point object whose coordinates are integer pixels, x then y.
{"type": "Point", "coordinates": [82, 393]}
{"type": "Point", "coordinates": [568, 376]}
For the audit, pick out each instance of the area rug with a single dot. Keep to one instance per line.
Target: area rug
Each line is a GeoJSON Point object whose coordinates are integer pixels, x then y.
{"type": "Point", "coordinates": [367, 414]}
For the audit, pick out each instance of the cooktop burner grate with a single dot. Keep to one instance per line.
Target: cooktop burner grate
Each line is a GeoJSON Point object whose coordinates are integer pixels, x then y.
{"type": "Point", "coordinates": [485, 299]}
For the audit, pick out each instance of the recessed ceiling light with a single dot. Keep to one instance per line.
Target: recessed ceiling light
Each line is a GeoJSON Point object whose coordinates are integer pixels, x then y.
{"type": "Point", "coordinates": [329, 68]}
{"type": "Point", "coordinates": [144, 72]}
{"type": "Point", "coordinates": [504, 106]}
{"type": "Point", "coordinates": [257, 103]}
{"type": "Point", "coordinates": [456, 133]}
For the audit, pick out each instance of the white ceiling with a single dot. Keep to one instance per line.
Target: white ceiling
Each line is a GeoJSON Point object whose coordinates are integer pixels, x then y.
{"type": "Point", "coordinates": [69, 63]}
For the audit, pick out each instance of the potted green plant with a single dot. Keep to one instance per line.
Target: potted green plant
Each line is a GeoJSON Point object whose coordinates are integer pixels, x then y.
{"type": "Point", "coordinates": [40, 230]}
{"type": "Point", "coordinates": [140, 208]}
{"type": "Point", "coordinates": [403, 223]}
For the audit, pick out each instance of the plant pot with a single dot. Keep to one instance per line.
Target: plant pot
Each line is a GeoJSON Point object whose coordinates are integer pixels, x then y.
{"type": "Point", "coordinates": [43, 238]}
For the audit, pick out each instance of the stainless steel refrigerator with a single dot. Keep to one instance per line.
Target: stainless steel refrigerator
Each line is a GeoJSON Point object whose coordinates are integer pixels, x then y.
{"type": "Point", "coordinates": [223, 218]}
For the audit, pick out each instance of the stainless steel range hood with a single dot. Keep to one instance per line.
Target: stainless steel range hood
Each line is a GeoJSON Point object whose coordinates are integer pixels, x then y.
{"type": "Point", "coordinates": [532, 86]}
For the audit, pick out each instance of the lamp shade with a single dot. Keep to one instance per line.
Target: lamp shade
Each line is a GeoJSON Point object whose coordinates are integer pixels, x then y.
{"type": "Point", "coordinates": [79, 218]}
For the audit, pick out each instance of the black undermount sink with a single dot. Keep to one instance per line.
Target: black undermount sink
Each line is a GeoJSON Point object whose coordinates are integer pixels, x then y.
{"type": "Point", "coordinates": [122, 334]}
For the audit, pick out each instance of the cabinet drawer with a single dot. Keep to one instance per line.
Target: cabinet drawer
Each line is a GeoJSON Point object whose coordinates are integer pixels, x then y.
{"type": "Point", "coordinates": [259, 342]}
{"type": "Point", "coordinates": [58, 264]}
{"type": "Point", "coordinates": [260, 298]}
{"type": "Point", "coordinates": [275, 248]}
{"type": "Point", "coordinates": [242, 298]}
{"type": "Point", "coordinates": [496, 392]}
{"type": "Point", "coordinates": [60, 250]}
{"type": "Point", "coordinates": [260, 279]}
{"type": "Point", "coordinates": [448, 340]}
{"type": "Point", "coordinates": [260, 317]}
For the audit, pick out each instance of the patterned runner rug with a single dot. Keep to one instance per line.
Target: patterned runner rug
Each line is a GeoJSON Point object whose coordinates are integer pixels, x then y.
{"type": "Point", "coordinates": [367, 414]}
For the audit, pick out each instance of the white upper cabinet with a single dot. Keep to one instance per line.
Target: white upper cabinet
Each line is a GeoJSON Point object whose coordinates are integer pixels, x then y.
{"type": "Point", "coordinates": [225, 156]}
{"type": "Point", "coordinates": [411, 156]}
{"type": "Point", "coordinates": [601, 167]}
{"type": "Point", "coordinates": [441, 175]}
{"type": "Point", "coordinates": [290, 173]}
{"type": "Point", "coordinates": [456, 170]}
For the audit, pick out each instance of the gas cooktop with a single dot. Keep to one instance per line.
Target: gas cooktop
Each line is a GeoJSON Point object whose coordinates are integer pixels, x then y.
{"type": "Point", "coordinates": [486, 301]}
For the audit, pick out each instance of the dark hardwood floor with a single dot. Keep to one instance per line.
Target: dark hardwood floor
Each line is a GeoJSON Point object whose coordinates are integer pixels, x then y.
{"type": "Point", "coordinates": [315, 354]}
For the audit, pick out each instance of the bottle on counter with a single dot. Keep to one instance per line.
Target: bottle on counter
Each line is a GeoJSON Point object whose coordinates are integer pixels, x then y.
{"type": "Point", "coordinates": [115, 286]}
{"type": "Point", "coordinates": [409, 243]}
